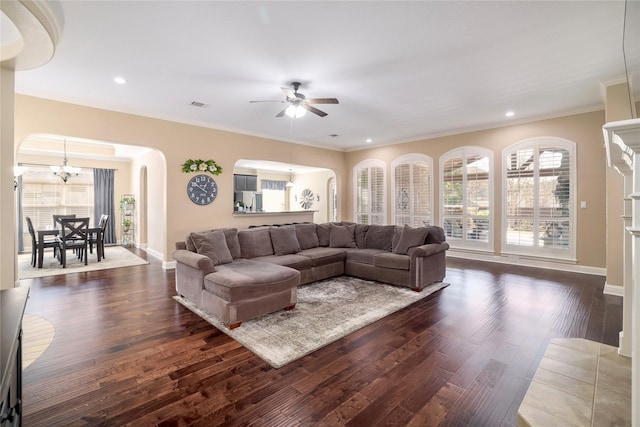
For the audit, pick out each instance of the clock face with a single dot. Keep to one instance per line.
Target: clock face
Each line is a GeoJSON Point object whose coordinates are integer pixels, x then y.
{"type": "Point", "coordinates": [202, 189]}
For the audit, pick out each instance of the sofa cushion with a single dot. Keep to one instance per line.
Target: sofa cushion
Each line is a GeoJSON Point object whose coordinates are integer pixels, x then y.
{"type": "Point", "coordinates": [307, 236]}
{"type": "Point", "coordinates": [342, 236]}
{"type": "Point", "coordinates": [391, 260]}
{"type": "Point", "coordinates": [409, 238]}
{"type": "Point", "coordinates": [255, 242]}
{"type": "Point", "coordinates": [436, 234]}
{"type": "Point", "coordinates": [323, 256]}
{"type": "Point", "coordinates": [363, 256]}
{"type": "Point", "coordinates": [360, 233]}
{"type": "Point", "coordinates": [231, 236]}
{"type": "Point", "coordinates": [322, 230]}
{"type": "Point", "coordinates": [379, 237]}
{"type": "Point", "coordinates": [213, 245]}
{"type": "Point", "coordinates": [189, 243]}
{"type": "Point", "coordinates": [246, 279]}
{"type": "Point", "coordinates": [284, 240]}
{"type": "Point", "coordinates": [299, 262]}
{"type": "Point", "coordinates": [397, 232]}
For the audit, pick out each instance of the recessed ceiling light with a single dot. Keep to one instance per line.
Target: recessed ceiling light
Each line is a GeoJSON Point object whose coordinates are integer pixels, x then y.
{"type": "Point", "coordinates": [120, 80]}
{"type": "Point", "coordinates": [369, 141]}
{"type": "Point", "coordinates": [510, 114]}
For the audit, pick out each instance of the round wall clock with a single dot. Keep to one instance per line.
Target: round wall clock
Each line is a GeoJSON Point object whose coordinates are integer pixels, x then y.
{"type": "Point", "coordinates": [306, 198]}
{"type": "Point", "coordinates": [202, 190]}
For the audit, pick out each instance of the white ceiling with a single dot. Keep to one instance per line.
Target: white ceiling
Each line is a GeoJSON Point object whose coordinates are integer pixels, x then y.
{"type": "Point", "coordinates": [401, 70]}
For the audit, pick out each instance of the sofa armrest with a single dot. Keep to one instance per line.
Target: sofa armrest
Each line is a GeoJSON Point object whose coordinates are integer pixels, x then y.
{"type": "Point", "coordinates": [194, 260]}
{"type": "Point", "coordinates": [427, 250]}
{"type": "Point", "coordinates": [190, 271]}
{"type": "Point", "coordinates": [428, 264]}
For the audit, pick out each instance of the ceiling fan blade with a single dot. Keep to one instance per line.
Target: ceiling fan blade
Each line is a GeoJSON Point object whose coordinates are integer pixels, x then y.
{"type": "Point", "coordinates": [313, 110]}
{"type": "Point", "coordinates": [281, 113]}
{"type": "Point", "coordinates": [287, 91]}
{"type": "Point", "coordinates": [322, 101]}
{"type": "Point", "coordinates": [270, 100]}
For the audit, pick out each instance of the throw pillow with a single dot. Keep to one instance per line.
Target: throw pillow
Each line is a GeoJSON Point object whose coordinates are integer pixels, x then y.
{"type": "Point", "coordinates": [212, 244]}
{"type": "Point", "coordinates": [231, 236]}
{"type": "Point", "coordinates": [255, 242]}
{"type": "Point", "coordinates": [307, 236]}
{"type": "Point", "coordinates": [342, 236]}
{"type": "Point", "coordinates": [360, 234]}
{"type": "Point", "coordinates": [284, 240]}
{"type": "Point", "coordinates": [379, 237]}
{"type": "Point", "coordinates": [409, 238]}
{"type": "Point", "coordinates": [323, 233]}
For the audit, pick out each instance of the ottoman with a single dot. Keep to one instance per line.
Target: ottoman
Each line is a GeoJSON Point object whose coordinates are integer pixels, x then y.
{"type": "Point", "coordinates": [245, 289]}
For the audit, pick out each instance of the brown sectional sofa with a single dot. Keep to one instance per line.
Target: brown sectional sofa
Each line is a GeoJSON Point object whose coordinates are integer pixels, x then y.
{"type": "Point", "coordinates": [238, 275]}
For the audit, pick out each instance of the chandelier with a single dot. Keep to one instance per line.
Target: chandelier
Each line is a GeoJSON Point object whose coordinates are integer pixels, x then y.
{"type": "Point", "coordinates": [65, 171]}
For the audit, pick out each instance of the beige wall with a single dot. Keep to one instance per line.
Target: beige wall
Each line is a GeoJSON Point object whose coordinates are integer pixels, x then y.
{"type": "Point", "coordinates": [176, 142]}
{"type": "Point", "coordinates": [583, 129]}
{"type": "Point", "coordinates": [318, 183]}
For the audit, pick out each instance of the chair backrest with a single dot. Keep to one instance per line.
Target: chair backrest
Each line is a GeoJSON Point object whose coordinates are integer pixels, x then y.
{"type": "Point", "coordinates": [104, 221]}
{"type": "Point", "coordinates": [32, 231]}
{"type": "Point", "coordinates": [74, 229]}
{"type": "Point", "coordinates": [56, 220]}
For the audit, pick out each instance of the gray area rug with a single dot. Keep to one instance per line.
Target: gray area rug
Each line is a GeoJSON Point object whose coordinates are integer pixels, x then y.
{"type": "Point", "coordinates": [326, 311]}
{"type": "Point", "coordinates": [115, 257]}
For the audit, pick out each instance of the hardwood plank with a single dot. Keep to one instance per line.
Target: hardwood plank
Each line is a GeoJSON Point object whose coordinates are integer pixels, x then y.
{"type": "Point", "coordinates": [125, 353]}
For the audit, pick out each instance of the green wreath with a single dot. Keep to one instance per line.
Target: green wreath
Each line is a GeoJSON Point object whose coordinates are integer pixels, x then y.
{"type": "Point", "coordinates": [191, 166]}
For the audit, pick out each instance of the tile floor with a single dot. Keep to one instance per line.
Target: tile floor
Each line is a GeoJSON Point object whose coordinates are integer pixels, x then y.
{"type": "Point", "coordinates": [578, 383]}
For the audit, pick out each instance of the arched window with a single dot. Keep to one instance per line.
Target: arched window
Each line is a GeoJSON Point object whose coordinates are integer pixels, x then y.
{"type": "Point", "coordinates": [370, 192]}
{"type": "Point", "coordinates": [467, 198]}
{"type": "Point", "coordinates": [539, 206]}
{"type": "Point", "coordinates": [412, 177]}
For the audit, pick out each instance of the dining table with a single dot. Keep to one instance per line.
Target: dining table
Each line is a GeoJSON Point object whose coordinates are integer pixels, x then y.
{"type": "Point", "coordinates": [42, 234]}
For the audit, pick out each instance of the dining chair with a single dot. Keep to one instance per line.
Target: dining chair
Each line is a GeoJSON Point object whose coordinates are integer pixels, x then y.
{"type": "Point", "coordinates": [34, 242]}
{"type": "Point", "coordinates": [74, 235]}
{"type": "Point", "coordinates": [98, 238]}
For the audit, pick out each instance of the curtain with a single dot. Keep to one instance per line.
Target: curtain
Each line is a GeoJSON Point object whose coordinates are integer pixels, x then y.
{"type": "Point", "coordinates": [270, 184]}
{"type": "Point", "coordinates": [103, 201]}
{"type": "Point", "coordinates": [19, 216]}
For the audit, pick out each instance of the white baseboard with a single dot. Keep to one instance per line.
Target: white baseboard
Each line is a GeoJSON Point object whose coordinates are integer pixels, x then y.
{"type": "Point", "coordinates": [616, 290]}
{"type": "Point", "coordinates": [527, 262]}
{"type": "Point", "coordinates": [168, 265]}
{"type": "Point", "coordinates": [154, 253]}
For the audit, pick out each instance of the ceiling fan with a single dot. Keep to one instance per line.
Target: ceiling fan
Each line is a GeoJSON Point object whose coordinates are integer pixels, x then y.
{"type": "Point", "coordinates": [298, 104]}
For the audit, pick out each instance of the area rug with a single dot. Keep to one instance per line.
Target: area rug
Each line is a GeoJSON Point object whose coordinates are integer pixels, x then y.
{"type": "Point", "coordinates": [326, 311]}
{"type": "Point", "coordinates": [115, 256]}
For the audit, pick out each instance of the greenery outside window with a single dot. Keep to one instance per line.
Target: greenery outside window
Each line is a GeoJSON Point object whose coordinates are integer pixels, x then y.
{"type": "Point", "coordinates": [467, 198]}
{"type": "Point", "coordinates": [539, 205]}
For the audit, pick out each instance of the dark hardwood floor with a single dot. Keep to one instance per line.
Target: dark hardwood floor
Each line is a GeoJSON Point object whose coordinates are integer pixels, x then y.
{"type": "Point", "coordinates": [125, 352]}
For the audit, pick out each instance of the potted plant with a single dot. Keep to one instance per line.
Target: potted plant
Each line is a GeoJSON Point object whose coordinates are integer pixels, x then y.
{"type": "Point", "coordinates": [126, 225]}
{"type": "Point", "coordinates": [127, 203]}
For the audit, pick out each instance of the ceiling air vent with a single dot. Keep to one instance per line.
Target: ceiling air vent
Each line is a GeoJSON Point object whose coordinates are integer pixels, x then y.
{"type": "Point", "coordinates": [199, 104]}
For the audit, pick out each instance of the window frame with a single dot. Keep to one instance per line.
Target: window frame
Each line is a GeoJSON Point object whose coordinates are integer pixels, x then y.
{"type": "Point", "coordinates": [537, 250]}
{"type": "Point", "coordinates": [410, 159]}
{"type": "Point", "coordinates": [368, 164]}
{"type": "Point", "coordinates": [465, 242]}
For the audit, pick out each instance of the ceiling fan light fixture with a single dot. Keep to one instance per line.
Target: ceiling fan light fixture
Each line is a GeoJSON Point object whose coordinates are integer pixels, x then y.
{"type": "Point", "coordinates": [295, 111]}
